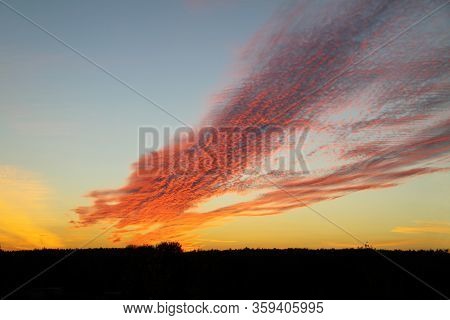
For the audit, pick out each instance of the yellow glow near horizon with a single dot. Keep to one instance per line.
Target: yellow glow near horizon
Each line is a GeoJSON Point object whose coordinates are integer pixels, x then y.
{"type": "Point", "coordinates": [413, 215]}
{"type": "Point", "coordinates": [389, 218]}
{"type": "Point", "coordinates": [23, 212]}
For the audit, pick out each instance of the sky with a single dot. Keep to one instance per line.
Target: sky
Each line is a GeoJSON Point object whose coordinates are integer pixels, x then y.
{"type": "Point", "coordinates": [376, 106]}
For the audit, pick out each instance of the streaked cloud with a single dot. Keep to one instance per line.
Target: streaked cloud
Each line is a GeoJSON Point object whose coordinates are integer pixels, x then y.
{"type": "Point", "coordinates": [439, 227]}
{"type": "Point", "coordinates": [372, 125]}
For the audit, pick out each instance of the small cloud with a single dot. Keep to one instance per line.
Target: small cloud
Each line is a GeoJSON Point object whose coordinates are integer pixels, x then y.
{"type": "Point", "coordinates": [440, 227]}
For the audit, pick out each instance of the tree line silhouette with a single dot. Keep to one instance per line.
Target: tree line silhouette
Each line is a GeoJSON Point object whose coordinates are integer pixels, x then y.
{"type": "Point", "coordinates": [164, 271]}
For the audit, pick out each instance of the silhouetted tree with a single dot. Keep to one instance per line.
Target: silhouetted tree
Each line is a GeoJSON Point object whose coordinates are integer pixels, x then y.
{"type": "Point", "coordinates": [169, 247]}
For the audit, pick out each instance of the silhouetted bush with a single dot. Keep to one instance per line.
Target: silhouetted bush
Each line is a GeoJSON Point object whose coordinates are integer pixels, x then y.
{"type": "Point", "coordinates": [162, 247]}
{"type": "Point", "coordinates": [169, 247]}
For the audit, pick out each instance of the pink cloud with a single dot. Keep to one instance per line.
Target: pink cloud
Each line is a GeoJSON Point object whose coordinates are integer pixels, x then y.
{"type": "Point", "coordinates": [378, 122]}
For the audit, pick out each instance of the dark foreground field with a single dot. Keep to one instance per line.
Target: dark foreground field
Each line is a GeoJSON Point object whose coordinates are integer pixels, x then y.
{"type": "Point", "coordinates": [167, 273]}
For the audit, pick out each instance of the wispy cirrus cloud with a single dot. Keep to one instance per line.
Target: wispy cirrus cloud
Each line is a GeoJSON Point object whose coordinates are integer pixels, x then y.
{"type": "Point", "coordinates": [374, 119]}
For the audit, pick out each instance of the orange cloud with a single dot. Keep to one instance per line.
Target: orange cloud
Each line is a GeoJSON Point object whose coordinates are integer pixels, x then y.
{"type": "Point", "coordinates": [372, 125]}
{"type": "Point", "coordinates": [439, 227]}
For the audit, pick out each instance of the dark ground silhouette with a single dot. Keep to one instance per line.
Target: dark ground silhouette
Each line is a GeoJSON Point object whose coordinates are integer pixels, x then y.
{"type": "Point", "coordinates": [165, 272]}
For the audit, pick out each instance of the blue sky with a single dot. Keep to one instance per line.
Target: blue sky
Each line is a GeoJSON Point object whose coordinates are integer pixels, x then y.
{"type": "Point", "coordinates": [77, 124]}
